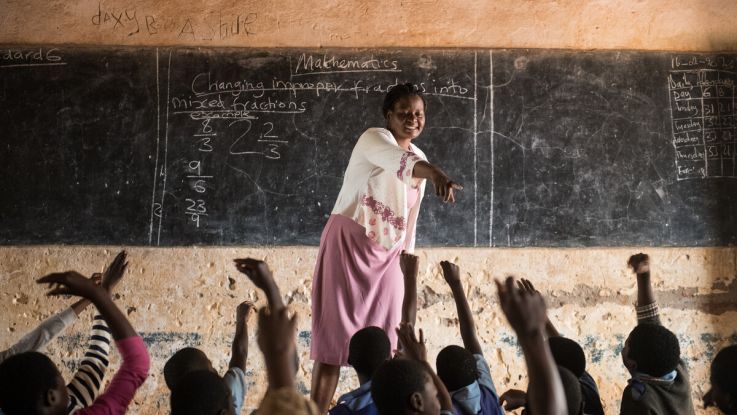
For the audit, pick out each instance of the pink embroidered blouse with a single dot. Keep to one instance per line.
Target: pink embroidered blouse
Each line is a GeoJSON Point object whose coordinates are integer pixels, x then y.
{"type": "Point", "coordinates": [374, 192]}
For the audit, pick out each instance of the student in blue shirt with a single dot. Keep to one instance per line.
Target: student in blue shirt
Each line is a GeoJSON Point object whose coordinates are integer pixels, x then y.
{"type": "Point", "coordinates": [368, 349]}
{"type": "Point", "coordinates": [464, 370]}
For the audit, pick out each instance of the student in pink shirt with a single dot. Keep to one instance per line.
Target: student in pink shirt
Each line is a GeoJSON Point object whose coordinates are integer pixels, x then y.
{"type": "Point", "coordinates": [31, 384]}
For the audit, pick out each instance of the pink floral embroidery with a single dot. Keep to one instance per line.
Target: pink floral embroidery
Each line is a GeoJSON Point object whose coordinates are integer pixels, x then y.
{"type": "Point", "coordinates": [372, 235]}
{"type": "Point", "coordinates": [387, 215]}
{"type": "Point", "coordinates": [403, 163]}
{"type": "Point", "coordinates": [372, 221]}
{"type": "Point", "coordinates": [386, 231]}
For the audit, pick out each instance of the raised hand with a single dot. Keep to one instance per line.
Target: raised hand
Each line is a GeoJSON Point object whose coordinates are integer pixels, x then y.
{"type": "Point", "coordinates": [243, 312]}
{"type": "Point", "coordinates": [114, 272]}
{"type": "Point", "coordinates": [640, 263]}
{"type": "Point", "coordinates": [524, 310]}
{"type": "Point", "coordinates": [74, 283]}
{"type": "Point", "coordinates": [71, 283]}
{"type": "Point", "coordinates": [412, 347]}
{"type": "Point", "coordinates": [257, 271]}
{"type": "Point", "coordinates": [513, 399]}
{"type": "Point", "coordinates": [451, 272]}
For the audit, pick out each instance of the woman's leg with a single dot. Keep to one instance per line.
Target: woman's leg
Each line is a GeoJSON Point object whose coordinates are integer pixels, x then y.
{"type": "Point", "coordinates": [324, 383]}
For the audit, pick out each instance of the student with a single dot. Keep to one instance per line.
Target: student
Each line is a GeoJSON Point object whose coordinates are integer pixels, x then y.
{"type": "Point", "coordinates": [723, 391]}
{"type": "Point", "coordinates": [191, 359]}
{"type": "Point", "coordinates": [651, 354]}
{"type": "Point", "coordinates": [370, 347]}
{"type": "Point", "coordinates": [276, 333]}
{"type": "Point", "coordinates": [569, 354]}
{"type": "Point", "coordinates": [463, 370]}
{"type": "Point", "coordinates": [276, 341]}
{"type": "Point", "coordinates": [407, 384]}
{"type": "Point", "coordinates": [201, 392]}
{"type": "Point", "coordinates": [527, 316]}
{"type": "Point", "coordinates": [85, 384]}
{"type": "Point", "coordinates": [31, 384]}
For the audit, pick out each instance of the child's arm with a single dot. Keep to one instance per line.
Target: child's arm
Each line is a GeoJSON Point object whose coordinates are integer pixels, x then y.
{"type": "Point", "coordinates": [85, 384]}
{"type": "Point", "coordinates": [410, 266]}
{"type": "Point", "coordinates": [647, 307]}
{"type": "Point", "coordinates": [258, 272]}
{"type": "Point", "coordinates": [235, 377]}
{"type": "Point", "coordinates": [527, 316]}
{"type": "Point", "coordinates": [452, 276]}
{"type": "Point", "coordinates": [49, 329]}
{"type": "Point", "coordinates": [276, 339]}
{"type": "Point", "coordinates": [39, 337]}
{"type": "Point", "coordinates": [239, 353]}
{"type": "Point", "coordinates": [136, 363]}
{"type": "Point", "coordinates": [413, 348]}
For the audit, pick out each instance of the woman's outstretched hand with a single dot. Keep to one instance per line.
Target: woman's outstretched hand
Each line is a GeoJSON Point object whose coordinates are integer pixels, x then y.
{"type": "Point", "coordinates": [444, 187]}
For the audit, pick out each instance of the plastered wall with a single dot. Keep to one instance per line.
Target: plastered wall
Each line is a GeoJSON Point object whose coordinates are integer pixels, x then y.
{"type": "Point", "coordinates": [700, 25]}
{"type": "Point", "coordinates": [187, 296]}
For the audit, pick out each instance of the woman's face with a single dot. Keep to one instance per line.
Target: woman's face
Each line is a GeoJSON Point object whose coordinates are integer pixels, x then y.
{"type": "Point", "coordinates": [407, 118]}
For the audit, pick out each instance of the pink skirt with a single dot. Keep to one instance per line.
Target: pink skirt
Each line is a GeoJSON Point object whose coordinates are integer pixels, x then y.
{"type": "Point", "coordinates": [357, 283]}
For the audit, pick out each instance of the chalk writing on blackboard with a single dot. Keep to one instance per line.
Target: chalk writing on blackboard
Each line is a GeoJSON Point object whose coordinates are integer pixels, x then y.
{"type": "Point", "coordinates": [16, 58]}
{"type": "Point", "coordinates": [702, 102]}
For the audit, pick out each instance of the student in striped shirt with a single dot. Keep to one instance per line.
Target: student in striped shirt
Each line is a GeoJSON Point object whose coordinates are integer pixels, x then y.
{"type": "Point", "coordinates": [31, 384]}
{"type": "Point", "coordinates": [85, 384]}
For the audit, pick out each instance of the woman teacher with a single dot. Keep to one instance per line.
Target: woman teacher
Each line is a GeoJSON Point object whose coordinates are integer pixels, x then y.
{"type": "Point", "coordinates": [357, 280]}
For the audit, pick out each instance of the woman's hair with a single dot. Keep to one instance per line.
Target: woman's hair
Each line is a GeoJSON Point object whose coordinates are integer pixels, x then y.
{"type": "Point", "coordinates": [398, 92]}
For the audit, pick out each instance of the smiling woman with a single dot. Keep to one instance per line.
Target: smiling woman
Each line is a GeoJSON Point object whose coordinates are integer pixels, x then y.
{"type": "Point", "coordinates": [357, 280]}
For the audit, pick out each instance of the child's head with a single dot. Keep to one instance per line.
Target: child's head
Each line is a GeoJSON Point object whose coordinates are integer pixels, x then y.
{"type": "Point", "coordinates": [201, 392]}
{"type": "Point", "coordinates": [368, 349]}
{"type": "Point", "coordinates": [30, 383]}
{"type": "Point", "coordinates": [723, 392]}
{"type": "Point", "coordinates": [651, 349]}
{"type": "Point", "coordinates": [184, 361]}
{"type": "Point", "coordinates": [456, 367]}
{"type": "Point", "coordinates": [572, 389]}
{"type": "Point", "coordinates": [569, 354]}
{"type": "Point", "coordinates": [402, 386]}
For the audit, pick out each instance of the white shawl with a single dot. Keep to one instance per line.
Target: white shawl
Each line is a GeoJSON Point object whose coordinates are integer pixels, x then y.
{"type": "Point", "coordinates": [374, 192]}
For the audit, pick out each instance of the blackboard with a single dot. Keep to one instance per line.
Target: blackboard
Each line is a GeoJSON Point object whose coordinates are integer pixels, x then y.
{"type": "Point", "coordinates": [190, 146]}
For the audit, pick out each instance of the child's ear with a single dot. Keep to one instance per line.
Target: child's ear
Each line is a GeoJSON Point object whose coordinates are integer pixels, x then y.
{"type": "Point", "coordinates": [52, 398]}
{"type": "Point", "coordinates": [415, 402]}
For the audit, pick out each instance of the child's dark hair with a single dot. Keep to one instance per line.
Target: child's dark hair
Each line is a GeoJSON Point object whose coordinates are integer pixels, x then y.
{"type": "Point", "coordinates": [724, 371]}
{"type": "Point", "coordinates": [398, 92]}
{"type": "Point", "coordinates": [182, 362]}
{"type": "Point", "coordinates": [572, 389]}
{"type": "Point", "coordinates": [25, 379]}
{"type": "Point", "coordinates": [654, 348]}
{"type": "Point", "coordinates": [201, 392]}
{"type": "Point", "coordinates": [368, 349]}
{"type": "Point", "coordinates": [569, 354]}
{"type": "Point", "coordinates": [394, 382]}
{"type": "Point", "coordinates": [456, 367]}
